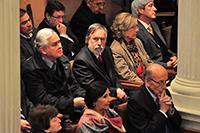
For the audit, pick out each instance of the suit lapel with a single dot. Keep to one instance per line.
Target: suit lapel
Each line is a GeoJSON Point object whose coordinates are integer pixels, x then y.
{"type": "Point", "coordinates": [148, 102]}
{"type": "Point", "coordinates": [147, 34]}
{"type": "Point", "coordinates": [28, 46]}
{"type": "Point", "coordinates": [157, 31]}
{"type": "Point", "coordinates": [108, 60]}
{"type": "Point", "coordinates": [94, 65]}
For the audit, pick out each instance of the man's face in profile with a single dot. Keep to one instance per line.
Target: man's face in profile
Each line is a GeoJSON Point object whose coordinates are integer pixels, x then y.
{"type": "Point", "coordinates": [26, 25]}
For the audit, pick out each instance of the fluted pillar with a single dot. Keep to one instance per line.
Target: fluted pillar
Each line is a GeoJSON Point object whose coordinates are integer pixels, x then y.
{"type": "Point", "coordinates": [186, 86]}
{"type": "Point", "coordinates": [9, 66]}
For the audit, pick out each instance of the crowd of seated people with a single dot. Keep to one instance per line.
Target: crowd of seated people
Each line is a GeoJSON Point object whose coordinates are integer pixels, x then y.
{"type": "Point", "coordinates": [87, 90]}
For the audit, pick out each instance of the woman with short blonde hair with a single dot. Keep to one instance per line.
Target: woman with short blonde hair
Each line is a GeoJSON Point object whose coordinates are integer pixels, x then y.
{"type": "Point", "coordinates": [128, 51]}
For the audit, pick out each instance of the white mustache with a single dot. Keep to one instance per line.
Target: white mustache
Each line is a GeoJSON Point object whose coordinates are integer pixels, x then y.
{"type": "Point", "coordinates": [99, 46]}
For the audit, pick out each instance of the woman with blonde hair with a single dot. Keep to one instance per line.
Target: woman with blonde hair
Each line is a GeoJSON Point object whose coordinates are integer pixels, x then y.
{"type": "Point", "coordinates": [128, 51]}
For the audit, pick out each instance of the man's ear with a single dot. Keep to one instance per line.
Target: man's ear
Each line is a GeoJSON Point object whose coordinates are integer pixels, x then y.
{"type": "Point", "coordinates": [140, 11]}
{"type": "Point", "coordinates": [147, 82]}
{"type": "Point", "coordinates": [47, 16]}
{"type": "Point", "coordinates": [43, 50]}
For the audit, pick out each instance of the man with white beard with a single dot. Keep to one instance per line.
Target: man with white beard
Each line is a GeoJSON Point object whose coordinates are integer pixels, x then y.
{"type": "Point", "coordinates": [95, 61]}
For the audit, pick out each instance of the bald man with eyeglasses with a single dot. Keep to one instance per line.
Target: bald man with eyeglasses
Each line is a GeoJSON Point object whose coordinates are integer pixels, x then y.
{"type": "Point", "coordinates": [150, 109]}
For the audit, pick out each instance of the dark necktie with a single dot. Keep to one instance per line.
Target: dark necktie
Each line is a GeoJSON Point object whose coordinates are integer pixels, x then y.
{"type": "Point", "coordinates": [100, 58]}
{"type": "Point", "coordinates": [53, 68]}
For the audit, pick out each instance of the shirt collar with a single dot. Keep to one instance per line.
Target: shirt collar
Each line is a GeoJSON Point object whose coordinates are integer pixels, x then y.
{"type": "Point", "coordinates": [27, 37]}
{"type": "Point", "coordinates": [48, 61]}
{"type": "Point", "coordinates": [152, 95]}
{"type": "Point", "coordinates": [143, 23]}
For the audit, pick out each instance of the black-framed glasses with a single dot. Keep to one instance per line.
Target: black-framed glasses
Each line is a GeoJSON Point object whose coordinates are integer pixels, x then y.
{"type": "Point", "coordinates": [161, 82]}
{"type": "Point", "coordinates": [58, 17]}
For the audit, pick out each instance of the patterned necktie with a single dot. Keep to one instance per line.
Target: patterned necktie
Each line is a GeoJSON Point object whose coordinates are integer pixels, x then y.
{"type": "Point", "coordinates": [150, 30]}
{"type": "Point", "coordinates": [100, 58]}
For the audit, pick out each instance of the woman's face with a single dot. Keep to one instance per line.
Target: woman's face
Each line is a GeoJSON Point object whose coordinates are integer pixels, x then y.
{"type": "Point", "coordinates": [55, 124]}
{"type": "Point", "coordinates": [103, 102]}
{"type": "Point", "coordinates": [131, 33]}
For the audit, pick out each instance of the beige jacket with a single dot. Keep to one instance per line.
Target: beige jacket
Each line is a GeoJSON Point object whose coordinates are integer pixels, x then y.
{"type": "Point", "coordinates": [124, 62]}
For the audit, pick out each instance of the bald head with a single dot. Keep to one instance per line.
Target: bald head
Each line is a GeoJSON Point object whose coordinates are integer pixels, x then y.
{"type": "Point", "coordinates": [155, 78]}
{"type": "Point", "coordinates": [155, 70]}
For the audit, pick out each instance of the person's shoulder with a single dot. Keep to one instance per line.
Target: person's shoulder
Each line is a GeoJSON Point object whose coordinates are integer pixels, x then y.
{"type": "Point", "coordinates": [139, 93]}
{"type": "Point", "coordinates": [30, 64]}
{"type": "Point", "coordinates": [115, 44]}
{"type": "Point", "coordinates": [81, 54]}
{"type": "Point", "coordinates": [42, 25]}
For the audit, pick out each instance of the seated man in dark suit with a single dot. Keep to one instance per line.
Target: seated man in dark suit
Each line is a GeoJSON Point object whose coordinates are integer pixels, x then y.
{"type": "Point", "coordinates": [89, 12]}
{"type": "Point", "coordinates": [27, 36]}
{"type": "Point", "coordinates": [54, 19]}
{"type": "Point", "coordinates": [150, 34]}
{"type": "Point", "coordinates": [48, 78]}
{"type": "Point", "coordinates": [95, 61]}
{"type": "Point", "coordinates": [150, 109]}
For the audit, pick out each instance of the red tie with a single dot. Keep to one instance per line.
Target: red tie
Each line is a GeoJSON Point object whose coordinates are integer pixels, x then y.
{"type": "Point", "coordinates": [100, 58]}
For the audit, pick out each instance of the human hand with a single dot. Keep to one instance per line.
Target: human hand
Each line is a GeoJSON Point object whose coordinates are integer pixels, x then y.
{"type": "Point", "coordinates": [165, 102]}
{"type": "Point", "coordinates": [79, 102]}
{"type": "Point", "coordinates": [121, 94]}
{"type": "Point", "coordinates": [25, 124]}
{"type": "Point", "coordinates": [62, 29]}
{"type": "Point", "coordinates": [172, 62]}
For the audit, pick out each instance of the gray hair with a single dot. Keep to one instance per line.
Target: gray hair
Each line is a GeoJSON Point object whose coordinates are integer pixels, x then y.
{"type": "Point", "coordinates": [138, 4]}
{"type": "Point", "coordinates": [92, 29]}
{"type": "Point", "coordinates": [42, 37]}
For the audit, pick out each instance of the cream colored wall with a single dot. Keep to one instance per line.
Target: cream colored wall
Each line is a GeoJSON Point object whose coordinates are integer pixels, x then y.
{"type": "Point", "coordinates": [37, 9]}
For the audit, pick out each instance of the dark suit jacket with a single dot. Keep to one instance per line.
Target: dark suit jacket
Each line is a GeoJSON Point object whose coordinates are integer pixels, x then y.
{"type": "Point", "coordinates": [154, 46]}
{"type": "Point", "coordinates": [27, 48]}
{"type": "Point", "coordinates": [143, 116]}
{"type": "Point", "coordinates": [68, 46]}
{"type": "Point", "coordinates": [83, 18]}
{"type": "Point", "coordinates": [45, 86]}
{"type": "Point", "coordinates": [87, 69]}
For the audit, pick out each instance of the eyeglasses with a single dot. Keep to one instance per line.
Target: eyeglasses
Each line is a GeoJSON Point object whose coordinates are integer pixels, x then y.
{"type": "Point", "coordinates": [161, 82]}
{"type": "Point", "coordinates": [58, 17]}
{"type": "Point", "coordinates": [25, 22]}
